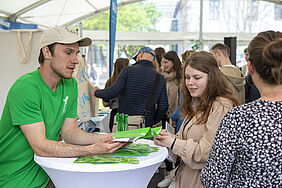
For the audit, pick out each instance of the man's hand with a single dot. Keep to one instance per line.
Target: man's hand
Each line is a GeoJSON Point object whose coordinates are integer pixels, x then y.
{"type": "Point", "coordinates": [164, 139]}
{"type": "Point", "coordinates": [35, 134]}
{"type": "Point", "coordinates": [93, 90]}
{"type": "Point", "coordinates": [105, 145]}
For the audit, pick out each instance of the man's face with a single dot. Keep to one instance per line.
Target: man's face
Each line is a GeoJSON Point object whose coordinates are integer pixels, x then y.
{"type": "Point", "coordinates": [64, 59]}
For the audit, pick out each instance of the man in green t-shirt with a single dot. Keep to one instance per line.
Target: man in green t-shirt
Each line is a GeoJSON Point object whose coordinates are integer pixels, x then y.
{"type": "Point", "coordinates": [40, 105]}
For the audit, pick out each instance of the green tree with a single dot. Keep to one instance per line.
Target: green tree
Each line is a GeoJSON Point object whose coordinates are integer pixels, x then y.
{"type": "Point", "coordinates": [133, 17]}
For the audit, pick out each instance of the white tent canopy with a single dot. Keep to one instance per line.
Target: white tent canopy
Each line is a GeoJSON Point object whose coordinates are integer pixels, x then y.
{"type": "Point", "coordinates": [50, 13]}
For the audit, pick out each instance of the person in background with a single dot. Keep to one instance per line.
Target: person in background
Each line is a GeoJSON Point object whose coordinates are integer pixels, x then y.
{"type": "Point", "coordinates": [244, 68]}
{"type": "Point", "coordinates": [113, 103]}
{"type": "Point", "coordinates": [134, 85]}
{"type": "Point", "coordinates": [207, 98]}
{"type": "Point", "coordinates": [234, 76]}
{"type": "Point", "coordinates": [186, 55]}
{"type": "Point", "coordinates": [39, 106]}
{"type": "Point", "coordinates": [159, 54]}
{"type": "Point", "coordinates": [251, 91]}
{"type": "Point", "coordinates": [247, 149]}
{"type": "Point", "coordinates": [171, 70]}
{"type": "Point", "coordinates": [176, 117]}
{"type": "Point", "coordinates": [156, 65]}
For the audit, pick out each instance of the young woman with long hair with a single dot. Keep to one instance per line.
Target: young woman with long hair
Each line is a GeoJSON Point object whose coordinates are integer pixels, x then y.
{"type": "Point", "coordinates": [206, 99]}
{"type": "Point", "coordinates": [113, 103]}
{"type": "Point", "coordinates": [171, 70]}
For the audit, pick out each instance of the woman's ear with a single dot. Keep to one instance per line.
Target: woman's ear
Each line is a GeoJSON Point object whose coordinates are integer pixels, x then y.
{"type": "Point", "coordinates": [251, 69]}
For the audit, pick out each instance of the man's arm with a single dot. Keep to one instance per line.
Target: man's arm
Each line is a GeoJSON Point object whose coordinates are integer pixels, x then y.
{"type": "Point", "coordinates": [35, 134]}
{"type": "Point", "coordinates": [72, 134]}
{"type": "Point", "coordinates": [115, 89]}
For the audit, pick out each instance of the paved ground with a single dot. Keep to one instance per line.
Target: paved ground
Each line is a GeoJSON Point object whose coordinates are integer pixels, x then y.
{"type": "Point", "coordinates": [157, 178]}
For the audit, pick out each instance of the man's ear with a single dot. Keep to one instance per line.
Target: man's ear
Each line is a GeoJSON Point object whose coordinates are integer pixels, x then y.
{"type": "Point", "coordinates": [218, 53]}
{"type": "Point", "coordinates": [46, 52]}
{"type": "Point", "coordinates": [140, 55]}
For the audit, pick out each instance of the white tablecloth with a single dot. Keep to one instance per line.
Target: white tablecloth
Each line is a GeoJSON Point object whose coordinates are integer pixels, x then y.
{"type": "Point", "coordinates": [66, 174]}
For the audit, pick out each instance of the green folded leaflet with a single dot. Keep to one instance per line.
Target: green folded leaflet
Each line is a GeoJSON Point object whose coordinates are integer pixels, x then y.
{"type": "Point", "coordinates": [135, 134]}
{"type": "Point", "coordinates": [124, 153]}
{"type": "Point", "coordinates": [133, 150]}
{"type": "Point", "coordinates": [142, 148]}
{"type": "Point", "coordinates": [106, 160]}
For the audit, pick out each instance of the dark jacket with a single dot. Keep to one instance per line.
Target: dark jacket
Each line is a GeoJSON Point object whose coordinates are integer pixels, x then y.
{"type": "Point", "coordinates": [134, 85]}
{"type": "Point", "coordinates": [251, 91]}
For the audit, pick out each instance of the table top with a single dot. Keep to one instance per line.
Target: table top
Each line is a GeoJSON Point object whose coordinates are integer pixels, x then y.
{"type": "Point", "coordinates": [67, 164]}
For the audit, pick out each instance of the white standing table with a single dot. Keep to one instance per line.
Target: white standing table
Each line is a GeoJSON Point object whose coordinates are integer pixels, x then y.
{"type": "Point", "coordinates": [66, 174]}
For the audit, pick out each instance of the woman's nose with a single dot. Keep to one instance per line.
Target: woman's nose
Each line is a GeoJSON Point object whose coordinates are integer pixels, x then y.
{"type": "Point", "coordinates": [191, 81]}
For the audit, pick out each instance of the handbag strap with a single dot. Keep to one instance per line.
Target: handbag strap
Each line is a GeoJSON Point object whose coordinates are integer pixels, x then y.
{"type": "Point", "coordinates": [153, 93]}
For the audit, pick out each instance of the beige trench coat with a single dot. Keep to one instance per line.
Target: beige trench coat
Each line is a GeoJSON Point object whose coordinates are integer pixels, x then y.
{"type": "Point", "coordinates": [173, 89]}
{"type": "Point", "coordinates": [193, 145]}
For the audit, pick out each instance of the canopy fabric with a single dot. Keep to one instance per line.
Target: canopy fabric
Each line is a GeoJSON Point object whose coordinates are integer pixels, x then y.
{"type": "Point", "coordinates": [50, 13]}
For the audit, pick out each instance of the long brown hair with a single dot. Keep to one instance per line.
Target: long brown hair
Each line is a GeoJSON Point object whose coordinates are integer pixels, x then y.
{"type": "Point", "coordinates": [172, 56]}
{"type": "Point", "coordinates": [265, 54]}
{"type": "Point", "coordinates": [159, 54]}
{"type": "Point", "coordinates": [119, 65]}
{"type": "Point", "coordinates": [217, 86]}
{"type": "Point", "coordinates": [186, 54]}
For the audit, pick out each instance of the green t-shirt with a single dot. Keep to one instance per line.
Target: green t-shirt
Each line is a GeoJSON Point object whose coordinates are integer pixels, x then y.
{"type": "Point", "coordinates": [30, 100]}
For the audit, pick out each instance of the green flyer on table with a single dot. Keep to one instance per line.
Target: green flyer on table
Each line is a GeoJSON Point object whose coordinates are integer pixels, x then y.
{"type": "Point", "coordinates": [135, 134]}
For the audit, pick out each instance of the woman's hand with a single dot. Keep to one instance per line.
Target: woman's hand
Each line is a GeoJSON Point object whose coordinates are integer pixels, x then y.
{"type": "Point", "coordinates": [164, 139]}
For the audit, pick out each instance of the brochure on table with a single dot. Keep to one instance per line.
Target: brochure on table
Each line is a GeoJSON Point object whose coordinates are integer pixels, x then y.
{"type": "Point", "coordinates": [135, 134]}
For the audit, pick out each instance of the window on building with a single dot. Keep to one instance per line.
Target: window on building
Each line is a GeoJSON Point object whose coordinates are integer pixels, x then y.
{"type": "Point", "coordinates": [254, 9]}
{"type": "Point", "coordinates": [174, 25]}
{"type": "Point", "coordinates": [278, 12]}
{"type": "Point", "coordinates": [214, 9]}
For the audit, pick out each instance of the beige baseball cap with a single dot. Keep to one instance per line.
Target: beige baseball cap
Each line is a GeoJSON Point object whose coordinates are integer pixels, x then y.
{"type": "Point", "coordinates": [63, 35]}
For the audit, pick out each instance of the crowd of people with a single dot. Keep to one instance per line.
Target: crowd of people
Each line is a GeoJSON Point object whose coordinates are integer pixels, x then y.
{"type": "Point", "coordinates": [228, 126]}
{"type": "Point", "coordinates": [223, 140]}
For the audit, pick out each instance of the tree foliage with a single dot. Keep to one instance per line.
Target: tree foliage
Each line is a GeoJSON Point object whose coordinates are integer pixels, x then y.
{"type": "Point", "coordinates": [132, 17]}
